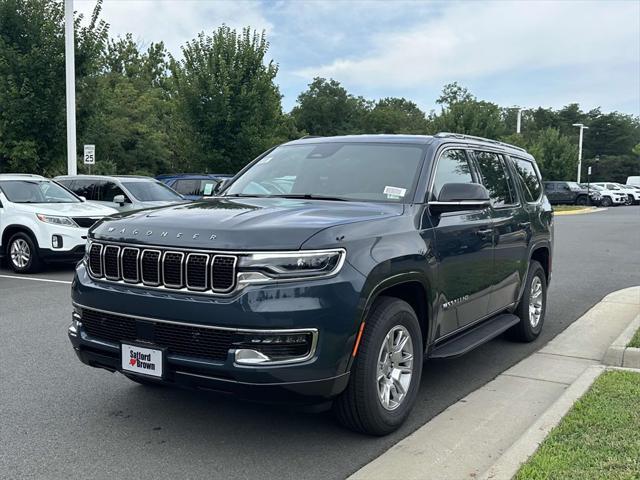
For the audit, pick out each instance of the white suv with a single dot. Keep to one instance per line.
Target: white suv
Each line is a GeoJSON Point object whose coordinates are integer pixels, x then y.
{"type": "Point", "coordinates": [41, 221]}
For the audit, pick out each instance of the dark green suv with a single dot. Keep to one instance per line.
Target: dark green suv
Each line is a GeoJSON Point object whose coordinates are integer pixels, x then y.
{"type": "Point", "coordinates": [325, 271]}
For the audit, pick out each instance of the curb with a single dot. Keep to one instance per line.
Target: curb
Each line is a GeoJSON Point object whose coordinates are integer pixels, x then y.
{"type": "Point", "coordinates": [619, 354]}
{"type": "Point", "coordinates": [581, 211]}
{"type": "Point", "coordinates": [511, 461]}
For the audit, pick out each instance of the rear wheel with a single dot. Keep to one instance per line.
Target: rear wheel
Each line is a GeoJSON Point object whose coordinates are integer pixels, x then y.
{"type": "Point", "coordinates": [606, 201]}
{"type": "Point", "coordinates": [532, 306]}
{"type": "Point", "coordinates": [22, 254]}
{"type": "Point", "coordinates": [385, 376]}
{"type": "Point", "coordinates": [582, 200]}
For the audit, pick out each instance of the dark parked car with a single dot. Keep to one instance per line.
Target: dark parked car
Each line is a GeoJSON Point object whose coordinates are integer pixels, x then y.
{"type": "Point", "coordinates": [194, 186]}
{"type": "Point", "coordinates": [383, 250]}
{"type": "Point", "coordinates": [569, 193]}
{"type": "Point", "coordinates": [122, 192]}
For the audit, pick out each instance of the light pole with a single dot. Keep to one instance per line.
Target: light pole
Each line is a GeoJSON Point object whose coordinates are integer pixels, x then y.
{"type": "Point", "coordinates": [70, 73]}
{"type": "Point", "coordinates": [519, 120]}
{"type": "Point", "coordinates": [582, 128]}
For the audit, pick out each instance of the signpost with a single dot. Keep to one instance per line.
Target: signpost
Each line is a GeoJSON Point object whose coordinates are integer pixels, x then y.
{"type": "Point", "coordinates": [89, 156]}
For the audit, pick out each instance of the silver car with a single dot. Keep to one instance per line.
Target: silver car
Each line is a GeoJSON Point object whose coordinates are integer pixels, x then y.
{"type": "Point", "coordinates": [122, 192]}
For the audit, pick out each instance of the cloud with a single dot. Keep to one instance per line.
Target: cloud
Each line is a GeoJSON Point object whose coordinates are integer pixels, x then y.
{"type": "Point", "coordinates": [175, 21]}
{"type": "Point", "coordinates": [473, 40]}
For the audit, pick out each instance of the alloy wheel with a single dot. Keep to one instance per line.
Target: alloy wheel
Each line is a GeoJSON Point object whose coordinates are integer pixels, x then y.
{"type": "Point", "coordinates": [395, 367]}
{"type": "Point", "coordinates": [20, 253]}
{"type": "Point", "coordinates": [535, 302]}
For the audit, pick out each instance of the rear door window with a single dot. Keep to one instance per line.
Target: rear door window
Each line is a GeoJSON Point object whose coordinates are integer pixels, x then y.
{"type": "Point", "coordinates": [83, 188]}
{"type": "Point", "coordinates": [106, 191]}
{"type": "Point", "coordinates": [496, 179]}
{"type": "Point", "coordinates": [529, 178]}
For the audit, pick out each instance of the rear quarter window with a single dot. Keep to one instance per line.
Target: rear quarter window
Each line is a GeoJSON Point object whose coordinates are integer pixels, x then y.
{"type": "Point", "coordinates": [529, 178]}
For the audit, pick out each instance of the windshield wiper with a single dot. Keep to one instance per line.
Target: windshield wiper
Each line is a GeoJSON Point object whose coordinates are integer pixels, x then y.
{"type": "Point", "coordinates": [310, 196]}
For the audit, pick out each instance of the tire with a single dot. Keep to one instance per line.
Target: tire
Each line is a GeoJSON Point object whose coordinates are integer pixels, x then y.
{"type": "Point", "coordinates": [22, 254]}
{"type": "Point", "coordinates": [528, 329]}
{"type": "Point", "coordinates": [606, 202]}
{"type": "Point", "coordinates": [582, 200]}
{"type": "Point", "coordinates": [360, 407]}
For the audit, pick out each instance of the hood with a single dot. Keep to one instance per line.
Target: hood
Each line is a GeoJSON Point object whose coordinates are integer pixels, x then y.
{"type": "Point", "coordinates": [238, 223]}
{"type": "Point", "coordinates": [84, 209]}
{"type": "Point", "coordinates": [158, 203]}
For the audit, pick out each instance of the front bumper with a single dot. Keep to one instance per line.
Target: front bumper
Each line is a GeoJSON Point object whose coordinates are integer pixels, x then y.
{"type": "Point", "coordinates": [51, 255]}
{"type": "Point", "coordinates": [330, 306]}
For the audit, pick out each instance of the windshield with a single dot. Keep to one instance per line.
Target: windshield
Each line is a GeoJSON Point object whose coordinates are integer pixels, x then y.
{"type": "Point", "coordinates": [574, 186]}
{"type": "Point", "coordinates": [36, 191]}
{"type": "Point", "coordinates": [151, 192]}
{"type": "Point", "coordinates": [345, 171]}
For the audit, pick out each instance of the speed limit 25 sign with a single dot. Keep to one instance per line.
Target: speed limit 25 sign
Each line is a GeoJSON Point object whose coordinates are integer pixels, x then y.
{"type": "Point", "coordinates": [89, 154]}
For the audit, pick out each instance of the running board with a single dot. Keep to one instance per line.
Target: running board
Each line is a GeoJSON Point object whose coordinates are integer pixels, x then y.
{"type": "Point", "coordinates": [474, 337]}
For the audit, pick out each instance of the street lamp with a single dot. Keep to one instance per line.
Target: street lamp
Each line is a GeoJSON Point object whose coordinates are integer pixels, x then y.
{"type": "Point", "coordinates": [582, 128]}
{"type": "Point", "coordinates": [70, 73]}
{"type": "Point", "coordinates": [519, 120]}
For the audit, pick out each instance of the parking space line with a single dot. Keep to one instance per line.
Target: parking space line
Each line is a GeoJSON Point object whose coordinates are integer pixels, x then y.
{"type": "Point", "coordinates": [37, 279]}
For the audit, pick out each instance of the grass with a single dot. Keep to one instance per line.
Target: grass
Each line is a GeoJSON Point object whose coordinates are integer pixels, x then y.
{"type": "Point", "coordinates": [598, 439]}
{"type": "Point", "coordinates": [635, 342]}
{"type": "Point", "coordinates": [569, 208]}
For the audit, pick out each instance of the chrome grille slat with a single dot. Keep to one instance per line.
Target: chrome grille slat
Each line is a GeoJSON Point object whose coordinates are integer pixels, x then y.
{"type": "Point", "coordinates": [150, 267]}
{"type": "Point", "coordinates": [172, 269]}
{"type": "Point", "coordinates": [111, 262]}
{"type": "Point", "coordinates": [196, 272]}
{"type": "Point", "coordinates": [129, 264]}
{"type": "Point", "coordinates": [95, 260]}
{"type": "Point", "coordinates": [180, 270]}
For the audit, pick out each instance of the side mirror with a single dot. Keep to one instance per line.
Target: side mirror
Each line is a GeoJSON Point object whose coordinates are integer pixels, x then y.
{"type": "Point", "coordinates": [84, 199]}
{"type": "Point", "coordinates": [458, 197]}
{"type": "Point", "coordinates": [119, 199]}
{"type": "Point", "coordinates": [221, 186]}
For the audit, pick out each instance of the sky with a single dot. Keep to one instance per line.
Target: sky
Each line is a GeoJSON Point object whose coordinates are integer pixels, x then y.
{"type": "Point", "coordinates": [527, 53]}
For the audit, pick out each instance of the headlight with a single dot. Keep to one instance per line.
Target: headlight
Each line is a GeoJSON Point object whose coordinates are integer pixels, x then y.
{"type": "Point", "coordinates": [290, 265]}
{"type": "Point", "coordinates": [63, 221]}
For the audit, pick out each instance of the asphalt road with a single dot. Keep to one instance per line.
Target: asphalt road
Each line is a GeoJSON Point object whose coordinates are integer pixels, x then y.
{"type": "Point", "coordinates": [61, 419]}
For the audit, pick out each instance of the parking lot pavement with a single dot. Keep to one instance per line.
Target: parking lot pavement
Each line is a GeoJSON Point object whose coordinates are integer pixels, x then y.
{"type": "Point", "coordinates": [61, 419]}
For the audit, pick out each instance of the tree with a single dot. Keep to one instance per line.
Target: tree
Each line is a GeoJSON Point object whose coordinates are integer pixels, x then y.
{"type": "Point", "coordinates": [228, 107]}
{"type": "Point", "coordinates": [32, 82]}
{"type": "Point", "coordinates": [556, 154]}
{"type": "Point", "coordinates": [396, 115]}
{"type": "Point", "coordinates": [131, 108]}
{"type": "Point", "coordinates": [462, 113]}
{"type": "Point", "coordinates": [326, 108]}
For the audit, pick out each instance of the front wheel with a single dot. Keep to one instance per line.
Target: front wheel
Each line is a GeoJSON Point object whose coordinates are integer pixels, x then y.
{"type": "Point", "coordinates": [533, 305]}
{"type": "Point", "coordinates": [385, 376]}
{"type": "Point", "coordinates": [606, 201]}
{"type": "Point", "coordinates": [23, 254]}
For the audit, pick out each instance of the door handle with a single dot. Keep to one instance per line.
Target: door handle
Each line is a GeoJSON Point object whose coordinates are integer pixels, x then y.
{"type": "Point", "coordinates": [485, 232]}
{"type": "Point", "coordinates": [524, 224]}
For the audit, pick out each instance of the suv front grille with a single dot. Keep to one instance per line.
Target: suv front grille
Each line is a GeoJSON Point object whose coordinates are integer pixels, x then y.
{"type": "Point", "coordinates": [85, 222]}
{"type": "Point", "coordinates": [197, 272]}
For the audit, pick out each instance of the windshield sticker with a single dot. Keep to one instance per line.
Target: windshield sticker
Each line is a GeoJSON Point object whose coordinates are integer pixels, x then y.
{"type": "Point", "coordinates": [394, 192]}
{"type": "Point", "coordinates": [208, 188]}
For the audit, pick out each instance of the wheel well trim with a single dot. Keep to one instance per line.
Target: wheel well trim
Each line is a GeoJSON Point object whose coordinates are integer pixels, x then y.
{"type": "Point", "coordinates": [537, 246]}
{"type": "Point", "coordinates": [384, 285]}
{"type": "Point", "coordinates": [16, 228]}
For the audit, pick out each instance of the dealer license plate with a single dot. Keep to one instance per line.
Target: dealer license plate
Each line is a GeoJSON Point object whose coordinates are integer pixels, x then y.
{"type": "Point", "coordinates": [145, 361]}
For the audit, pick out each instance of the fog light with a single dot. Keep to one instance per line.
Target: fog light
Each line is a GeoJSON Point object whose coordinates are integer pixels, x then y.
{"type": "Point", "coordinates": [56, 241]}
{"type": "Point", "coordinates": [265, 348]}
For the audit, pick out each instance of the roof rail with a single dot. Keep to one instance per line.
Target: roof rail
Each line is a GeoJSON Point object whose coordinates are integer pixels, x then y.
{"type": "Point", "coordinates": [481, 139]}
{"type": "Point", "coordinates": [29, 175]}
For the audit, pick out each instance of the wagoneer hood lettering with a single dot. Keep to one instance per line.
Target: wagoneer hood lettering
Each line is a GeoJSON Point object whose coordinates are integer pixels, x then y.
{"type": "Point", "coordinates": [239, 223]}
